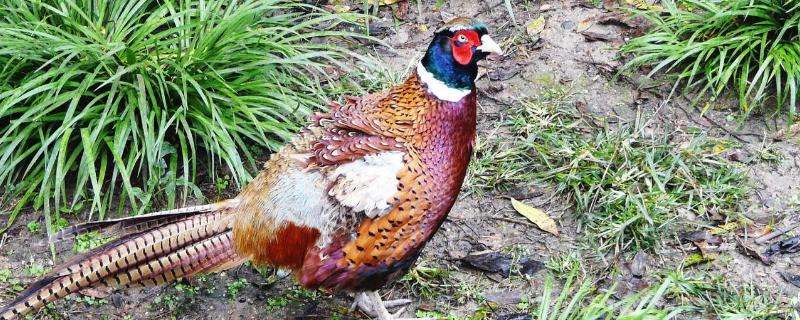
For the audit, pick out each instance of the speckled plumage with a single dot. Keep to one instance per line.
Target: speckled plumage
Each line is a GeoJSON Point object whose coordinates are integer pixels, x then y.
{"type": "Point", "coordinates": [436, 138]}
{"type": "Point", "coordinates": [346, 205]}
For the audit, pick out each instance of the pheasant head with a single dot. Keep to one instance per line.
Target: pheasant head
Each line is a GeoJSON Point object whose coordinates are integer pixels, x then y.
{"type": "Point", "coordinates": [450, 64]}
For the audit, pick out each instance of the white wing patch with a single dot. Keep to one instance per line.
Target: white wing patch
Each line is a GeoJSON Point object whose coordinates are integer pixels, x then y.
{"type": "Point", "coordinates": [368, 184]}
{"type": "Point", "coordinates": [299, 197]}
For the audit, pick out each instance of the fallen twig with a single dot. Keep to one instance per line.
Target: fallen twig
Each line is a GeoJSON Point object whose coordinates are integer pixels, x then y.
{"type": "Point", "coordinates": [514, 221]}
{"type": "Point", "coordinates": [774, 234]}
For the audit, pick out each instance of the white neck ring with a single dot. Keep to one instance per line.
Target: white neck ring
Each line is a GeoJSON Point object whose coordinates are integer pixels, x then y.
{"type": "Point", "coordinates": [439, 88]}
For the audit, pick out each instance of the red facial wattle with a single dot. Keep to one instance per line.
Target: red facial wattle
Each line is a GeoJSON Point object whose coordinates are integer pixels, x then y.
{"type": "Point", "coordinates": [463, 42]}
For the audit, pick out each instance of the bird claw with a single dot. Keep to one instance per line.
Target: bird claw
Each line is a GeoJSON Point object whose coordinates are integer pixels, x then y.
{"type": "Point", "coordinates": [391, 304]}
{"type": "Point", "coordinates": [371, 304]}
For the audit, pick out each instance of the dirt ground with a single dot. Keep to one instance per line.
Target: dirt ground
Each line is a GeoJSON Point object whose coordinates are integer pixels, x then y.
{"type": "Point", "coordinates": [573, 49]}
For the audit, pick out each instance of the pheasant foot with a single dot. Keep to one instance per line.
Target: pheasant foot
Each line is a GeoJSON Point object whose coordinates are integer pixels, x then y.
{"type": "Point", "coordinates": [371, 303]}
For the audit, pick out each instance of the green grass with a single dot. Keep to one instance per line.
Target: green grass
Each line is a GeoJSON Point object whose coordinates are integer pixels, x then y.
{"type": "Point", "coordinates": [122, 104]}
{"type": "Point", "coordinates": [564, 265]}
{"type": "Point", "coordinates": [428, 282]}
{"type": "Point", "coordinates": [581, 300]}
{"type": "Point", "coordinates": [694, 293]}
{"type": "Point", "coordinates": [627, 186]}
{"type": "Point", "coordinates": [715, 295]}
{"type": "Point", "coordinates": [748, 47]}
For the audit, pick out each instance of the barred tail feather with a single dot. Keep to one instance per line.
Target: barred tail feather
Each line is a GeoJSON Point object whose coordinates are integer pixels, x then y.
{"type": "Point", "coordinates": [197, 258]}
{"type": "Point", "coordinates": [140, 222]}
{"type": "Point", "coordinates": [185, 242]}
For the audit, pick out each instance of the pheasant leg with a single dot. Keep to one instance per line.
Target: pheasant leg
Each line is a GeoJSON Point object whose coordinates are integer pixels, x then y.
{"type": "Point", "coordinates": [371, 303]}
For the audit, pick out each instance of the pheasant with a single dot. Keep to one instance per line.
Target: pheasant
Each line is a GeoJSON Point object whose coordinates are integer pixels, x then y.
{"type": "Point", "coordinates": [348, 204]}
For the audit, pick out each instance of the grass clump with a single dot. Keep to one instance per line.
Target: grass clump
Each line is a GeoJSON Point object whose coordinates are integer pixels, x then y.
{"type": "Point", "coordinates": [136, 95]}
{"type": "Point", "coordinates": [749, 46]}
{"type": "Point", "coordinates": [714, 295]}
{"type": "Point", "coordinates": [581, 300]}
{"type": "Point", "coordinates": [626, 185]}
{"type": "Point", "coordinates": [427, 282]}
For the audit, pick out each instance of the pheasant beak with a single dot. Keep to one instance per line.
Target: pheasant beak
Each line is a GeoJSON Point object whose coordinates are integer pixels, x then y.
{"type": "Point", "coordinates": [488, 46]}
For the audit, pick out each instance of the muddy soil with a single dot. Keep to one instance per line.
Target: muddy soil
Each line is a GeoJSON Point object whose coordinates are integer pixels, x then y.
{"type": "Point", "coordinates": [572, 48]}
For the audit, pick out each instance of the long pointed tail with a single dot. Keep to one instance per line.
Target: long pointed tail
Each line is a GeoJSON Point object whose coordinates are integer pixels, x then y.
{"type": "Point", "coordinates": [149, 250]}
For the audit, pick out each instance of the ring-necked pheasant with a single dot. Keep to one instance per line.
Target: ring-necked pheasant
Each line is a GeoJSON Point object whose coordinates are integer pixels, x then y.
{"type": "Point", "coordinates": [347, 205]}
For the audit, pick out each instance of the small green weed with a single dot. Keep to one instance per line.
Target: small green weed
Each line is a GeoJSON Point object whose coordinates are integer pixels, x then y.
{"type": "Point", "coordinates": [186, 289]}
{"type": "Point", "coordinates": [88, 241]}
{"type": "Point", "coordinates": [769, 153]}
{"type": "Point", "coordinates": [236, 286]}
{"type": "Point", "coordinates": [293, 296]}
{"type": "Point", "coordinates": [467, 292]}
{"type": "Point", "coordinates": [301, 294]}
{"type": "Point", "coordinates": [439, 4]}
{"type": "Point", "coordinates": [60, 223]}
{"type": "Point", "coordinates": [7, 277]}
{"type": "Point", "coordinates": [36, 269]}
{"type": "Point", "coordinates": [274, 303]}
{"type": "Point", "coordinates": [221, 184]}
{"type": "Point", "coordinates": [33, 227]}
{"type": "Point", "coordinates": [90, 301]}
{"type": "Point", "coordinates": [203, 281]}
{"type": "Point", "coordinates": [178, 301]}
{"type": "Point", "coordinates": [563, 265]}
{"type": "Point", "coordinates": [478, 315]}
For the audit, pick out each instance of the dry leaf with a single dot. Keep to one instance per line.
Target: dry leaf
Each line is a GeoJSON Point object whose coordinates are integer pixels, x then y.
{"type": "Point", "coordinates": [537, 216]}
{"type": "Point", "coordinates": [591, 36]}
{"type": "Point", "coordinates": [752, 252]}
{"type": "Point", "coordinates": [535, 27]}
{"type": "Point", "coordinates": [719, 148]}
{"type": "Point", "coordinates": [644, 5]}
{"type": "Point", "coordinates": [340, 8]}
{"type": "Point", "coordinates": [725, 228]}
{"type": "Point", "coordinates": [787, 133]}
{"type": "Point", "coordinates": [384, 2]}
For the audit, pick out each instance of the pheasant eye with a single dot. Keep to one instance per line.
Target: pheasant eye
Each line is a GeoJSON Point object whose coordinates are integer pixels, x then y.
{"type": "Point", "coordinates": [462, 38]}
